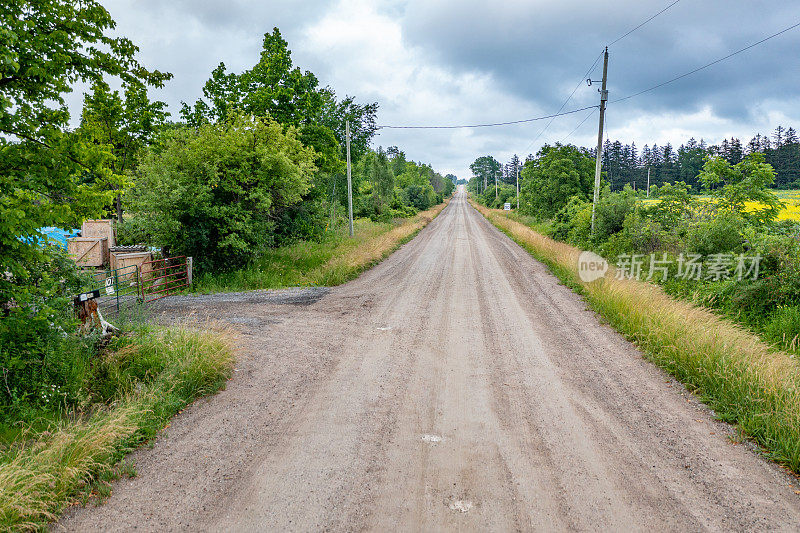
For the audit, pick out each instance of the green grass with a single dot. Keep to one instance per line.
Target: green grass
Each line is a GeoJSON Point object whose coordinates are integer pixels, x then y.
{"type": "Point", "coordinates": [140, 381]}
{"type": "Point", "coordinates": [745, 380]}
{"type": "Point", "coordinates": [336, 260]}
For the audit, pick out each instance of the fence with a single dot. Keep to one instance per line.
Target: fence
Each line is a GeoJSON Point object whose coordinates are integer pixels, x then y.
{"type": "Point", "coordinates": [163, 277]}
{"type": "Point", "coordinates": [133, 285]}
{"type": "Point", "coordinates": [118, 288]}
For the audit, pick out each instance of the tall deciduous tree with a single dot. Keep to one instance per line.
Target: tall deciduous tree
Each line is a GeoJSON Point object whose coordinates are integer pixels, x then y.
{"type": "Point", "coordinates": [486, 168]}
{"type": "Point", "coordinates": [45, 47]}
{"type": "Point", "coordinates": [558, 173]}
{"type": "Point", "coordinates": [736, 185]}
{"type": "Point", "coordinates": [120, 129]}
{"type": "Point", "coordinates": [276, 88]}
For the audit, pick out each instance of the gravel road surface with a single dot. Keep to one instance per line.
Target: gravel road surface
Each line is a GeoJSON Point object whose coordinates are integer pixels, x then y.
{"type": "Point", "coordinates": [455, 386]}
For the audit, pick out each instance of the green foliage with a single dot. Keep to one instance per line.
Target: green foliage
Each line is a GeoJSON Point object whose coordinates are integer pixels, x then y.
{"type": "Point", "coordinates": [133, 388]}
{"type": "Point", "coordinates": [557, 174]}
{"type": "Point", "coordinates": [275, 88]}
{"type": "Point", "coordinates": [37, 350]}
{"type": "Point", "coordinates": [720, 234]}
{"type": "Point", "coordinates": [611, 210]}
{"type": "Point", "coordinates": [49, 176]}
{"type": "Point", "coordinates": [486, 168]}
{"type": "Point", "coordinates": [573, 222]}
{"type": "Point", "coordinates": [119, 130]}
{"type": "Point", "coordinates": [783, 327]}
{"type": "Point", "coordinates": [674, 203]}
{"type": "Point", "coordinates": [211, 192]}
{"type": "Point", "coordinates": [735, 185]}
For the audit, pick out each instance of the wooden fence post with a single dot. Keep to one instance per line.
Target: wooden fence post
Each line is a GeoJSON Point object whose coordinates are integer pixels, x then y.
{"type": "Point", "coordinates": [189, 270]}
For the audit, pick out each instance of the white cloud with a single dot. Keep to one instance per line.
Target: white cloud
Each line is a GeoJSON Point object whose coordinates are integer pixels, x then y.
{"type": "Point", "coordinates": [366, 55]}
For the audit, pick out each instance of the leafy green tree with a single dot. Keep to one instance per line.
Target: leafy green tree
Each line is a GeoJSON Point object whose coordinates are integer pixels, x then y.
{"type": "Point", "coordinates": [486, 168]}
{"type": "Point", "coordinates": [308, 218]}
{"type": "Point", "coordinates": [274, 87]}
{"type": "Point", "coordinates": [120, 129]}
{"type": "Point", "coordinates": [212, 192]}
{"type": "Point", "coordinates": [736, 185]}
{"type": "Point", "coordinates": [46, 173]}
{"type": "Point", "coordinates": [558, 173]}
{"type": "Point", "coordinates": [674, 203]}
{"type": "Point", "coordinates": [382, 177]}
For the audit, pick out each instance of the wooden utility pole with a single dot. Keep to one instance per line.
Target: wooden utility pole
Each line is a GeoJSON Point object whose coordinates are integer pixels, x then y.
{"type": "Point", "coordinates": [648, 182]}
{"type": "Point", "coordinates": [349, 178]}
{"type": "Point", "coordinates": [495, 185]}
{"type": "Point", "coordinates": [518, 187]}
{"type": "Point", "coordinates": [599, 162]}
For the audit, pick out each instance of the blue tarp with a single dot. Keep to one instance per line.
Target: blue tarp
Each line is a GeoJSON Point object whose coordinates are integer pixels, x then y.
{"type": "Point", "coordinates": [58, 236]}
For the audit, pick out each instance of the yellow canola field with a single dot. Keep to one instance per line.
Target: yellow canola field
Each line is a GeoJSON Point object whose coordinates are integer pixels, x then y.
{"type": "Point", "coordinates": [790, 199]}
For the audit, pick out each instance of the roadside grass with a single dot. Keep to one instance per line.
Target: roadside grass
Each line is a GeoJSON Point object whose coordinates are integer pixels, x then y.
{"type": "Point", "coordinates": [334, 261]}
{"type": "Point", "coordinates": [141, 381]}
{"type": "Point", "coordinates": [745, 380]}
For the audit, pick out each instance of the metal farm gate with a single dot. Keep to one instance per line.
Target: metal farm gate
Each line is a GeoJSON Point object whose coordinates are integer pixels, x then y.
{"type": "Point", "coordinates": [129, 287]}
{"type": "Point", "coordinates": [117, 289]}
{"type": "Point", "coordinates": [163, 277]}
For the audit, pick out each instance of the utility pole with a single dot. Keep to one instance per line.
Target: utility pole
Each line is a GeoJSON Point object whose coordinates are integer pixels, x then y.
{"type": "Point", "coordinates": [349, 178]}
{"type": "Point", "coordinates": [599, 162]}
{"type": "Point", "coordinates": [648, 182]}
{"type": "Point", "coordinates": [517, 187]}
{"type": "Point", "coordinates": [495, 185]}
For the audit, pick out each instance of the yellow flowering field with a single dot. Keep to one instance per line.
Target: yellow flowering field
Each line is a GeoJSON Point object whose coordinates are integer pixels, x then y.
{"type": "Point", "coordinates": [790, 199]}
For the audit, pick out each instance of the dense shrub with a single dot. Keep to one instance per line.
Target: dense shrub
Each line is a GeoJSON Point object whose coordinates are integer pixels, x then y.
{"type": "Point", "coordinates": [212, 193]}
{"type": "Point", "coordinates": [38, 353]}
{"type": "Point", "coordinates": [611, 211]}
{"type": "Point", "coordinates": [557, 174]}
{"type": "Point", "coordinates": [720, 234]}
{"type": "Point", "coordinates": [419, 196]}
{"type": "Point", "coordinates": [573, 222]}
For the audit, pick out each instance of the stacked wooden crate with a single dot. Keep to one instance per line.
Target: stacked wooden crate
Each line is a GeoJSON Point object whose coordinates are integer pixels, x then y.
{"type": "Point", "coordinates": [88, 251]}
{"type": "Point", "coordinates": [125, 256]}
{"type": "Point", "coordinates": [91, 249]}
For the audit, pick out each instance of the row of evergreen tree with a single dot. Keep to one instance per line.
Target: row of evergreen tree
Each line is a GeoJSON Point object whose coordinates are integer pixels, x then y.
{"type": "Point", "coordinates": [625, 164]}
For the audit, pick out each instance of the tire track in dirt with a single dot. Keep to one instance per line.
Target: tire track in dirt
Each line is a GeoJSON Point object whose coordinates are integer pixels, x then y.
{"type": "Point", "coordinates": [455, 386]}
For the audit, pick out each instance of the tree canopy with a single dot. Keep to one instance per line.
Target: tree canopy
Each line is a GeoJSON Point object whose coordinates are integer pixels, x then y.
{"type": "Point", "coordinates": [557, 174]}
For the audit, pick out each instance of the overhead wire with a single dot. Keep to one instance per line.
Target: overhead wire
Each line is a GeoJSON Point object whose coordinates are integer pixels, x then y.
{"type": "Point", "coordinates": [591, 69]}
{"type": "Point", "coordinates": [588, 73]}
{"type": "Point", "coordinates": [698, 69]}
{"type": "Point", "coordinates": [591, 113]}
{"type": "Point", "coordinates": [560, 113]}
{"type": "Point", "coordinates": [489, 125]}
{"type": "Point", "coordinates": [618, 39]}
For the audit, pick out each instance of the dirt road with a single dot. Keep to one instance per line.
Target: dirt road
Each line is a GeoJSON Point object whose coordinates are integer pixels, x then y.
{"type": "Point", "coordinates": [456, 385]}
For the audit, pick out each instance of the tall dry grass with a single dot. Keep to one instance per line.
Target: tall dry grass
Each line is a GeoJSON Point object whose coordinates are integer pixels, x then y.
{"type": "Point", "coordinates": [746, 381]}
{"type": "Point", "coordinates": [344, 267]}
{"type": "Point", "coordinates": [39, 477]}
{"type": "Point", "coordinates": [333, 261]}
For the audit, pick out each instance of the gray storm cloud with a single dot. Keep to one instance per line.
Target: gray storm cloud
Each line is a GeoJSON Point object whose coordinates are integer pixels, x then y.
{"type": "Point", "coordinates": [451, 62]}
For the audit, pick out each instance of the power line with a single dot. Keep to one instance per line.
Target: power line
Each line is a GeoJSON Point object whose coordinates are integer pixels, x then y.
{"type": "Point", "coordinates": [698, 69]}
{"type": "Point", "coordinates": [618, 39]}
{"type": "Point", "coordinates": [485, 125]}
{"type": "Point", "coordinates": [588, 73]}
{"type": "Point", "coordinates": [591, 113]}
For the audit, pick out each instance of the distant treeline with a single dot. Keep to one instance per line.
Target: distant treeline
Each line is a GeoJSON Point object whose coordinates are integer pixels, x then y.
{"type": "Point", "coordinates": [627, 164]}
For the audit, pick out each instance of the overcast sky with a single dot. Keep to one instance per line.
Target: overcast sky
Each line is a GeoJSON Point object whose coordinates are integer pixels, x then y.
{"type": "Point", "coordinates": [429, 62]}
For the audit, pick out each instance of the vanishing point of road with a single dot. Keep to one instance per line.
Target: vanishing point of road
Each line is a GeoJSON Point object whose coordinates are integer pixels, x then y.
{"type": "Point", "coordinates": [455, 386]}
